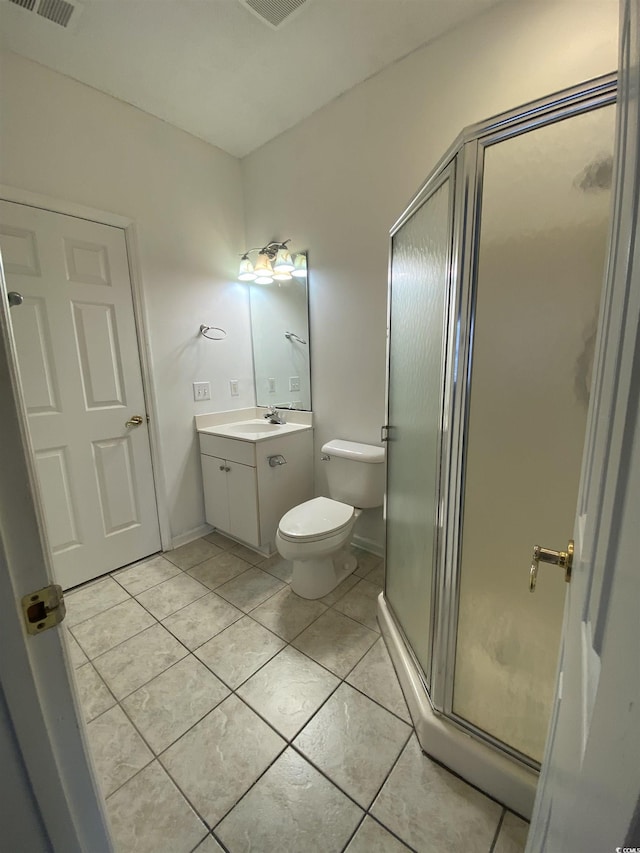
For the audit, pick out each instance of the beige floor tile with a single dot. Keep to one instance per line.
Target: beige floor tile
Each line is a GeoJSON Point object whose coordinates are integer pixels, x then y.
{"type": "Point", "coordinates": [144, 575]}
{"type": "Point", "coordinates": [366, 561]}
{"type": "Point", "coordinates": [277, 566]}
{"type": "Point", "coordinates": [95, 698]}
{"type": "Point", "coordinates": [78, 657]}
{"type": "Point", "coordinates": [288, 690]}
{"type": "Point", "coordinates": [286, 614]}
{"type": "Point", "coordinates": [219, 759]}
{"type": "Point", "coordinates": [94, 598]}
{"type": "Point", "coordinates": [250, 589]}
{"type": "Point", "coordinates": [198, 622]}
{"type": "Point", "coordinates": [107, 630]}
{"type": "Point", "coordinates": [361, 604]}
{"type": "Point", "coordinates": [138, 660]}
{"type": "Point", "coordinates": [219, 539]}
{"type": "Point", "coordinates": [373, 838]}
{"type": "Point", "coordinates": [219, 569]}
{"type": "Point", "coordinates": [189, 555]}
{"type": "Point", "coordinates": [376, 576]}
{"type": "Point", "coordinates": [299, 812]}
{"type": "Point", "coordinates": [376, 677]}
{"type": "Point", "coordinates": [512, 837]}
{"type": "Point", "coordinates": [354, 741]}
{"type": "Point", "coordinates": [166, 707]}
{"type": "Point", "coordinates": [172, 595]}
{"type": "Point", "coordinates": [251, 557]}
{"type": "Point", "coordinates": [117, 749]}
{"type": "Point", "coordinates": [209, 845]}
{"type": "Point", "coordinates": [431, 809]}
{"type": "Point", "coordinates": [238, 651]}
{"type": "Point", "coordinates": [342, 589]}
{"type": "Point", "coordinates": [150, 815]}
{"type": "Point", "coordinates": [335, 641]}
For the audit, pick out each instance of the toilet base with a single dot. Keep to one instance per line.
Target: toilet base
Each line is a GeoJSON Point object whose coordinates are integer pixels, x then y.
{"type": "Point", "coordinates": [318, 577]}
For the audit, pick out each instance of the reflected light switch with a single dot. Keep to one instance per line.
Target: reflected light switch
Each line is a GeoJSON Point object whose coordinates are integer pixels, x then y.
{"type": "Point", "coordinates": [201, 391]}
{"type": "Point", "coordinates": [271, 385]}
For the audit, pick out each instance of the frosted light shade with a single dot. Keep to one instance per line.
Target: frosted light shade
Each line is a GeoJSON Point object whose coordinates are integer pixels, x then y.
{"type": "Point", "coordinates": [281, 276]}
{"type": "Point", "coordinates": [283, 262]}
{"type": "Point", "coordinates": [263, 266]}
{"type": "Point", "coordinates": [246, 273]}
{"type": "Point", "coordinates": [264, 279]}
{"type": "Point", "coordinates": [300, 263]}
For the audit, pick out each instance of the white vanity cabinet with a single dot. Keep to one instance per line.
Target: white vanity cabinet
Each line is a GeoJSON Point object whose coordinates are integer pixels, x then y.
{"type": "Point", "coordinates": [244, 495]}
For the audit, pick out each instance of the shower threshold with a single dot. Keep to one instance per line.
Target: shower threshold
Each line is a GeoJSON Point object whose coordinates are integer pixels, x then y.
{"type": "Point", "coordinates": [482, 765]}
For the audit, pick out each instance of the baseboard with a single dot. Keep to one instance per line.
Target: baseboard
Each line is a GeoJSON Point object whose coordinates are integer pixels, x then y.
{"type": "Point", "coordinates": [369, 545]}
{"type": "Point", "coordinates": [190, 535]}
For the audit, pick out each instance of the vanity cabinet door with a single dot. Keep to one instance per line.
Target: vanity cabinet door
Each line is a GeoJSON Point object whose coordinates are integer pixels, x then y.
{"type": "Point", "coordinates": [242, 490]}
{"type": "Point", "coordinates": [216, 501]}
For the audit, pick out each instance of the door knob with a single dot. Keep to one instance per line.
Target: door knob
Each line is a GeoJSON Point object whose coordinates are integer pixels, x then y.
{"type": "Point", "coordinates": [134, 420]}
{"type": "Point", "coordinates": [564, 559]}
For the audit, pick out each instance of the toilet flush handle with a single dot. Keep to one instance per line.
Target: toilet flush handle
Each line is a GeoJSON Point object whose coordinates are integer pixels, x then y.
{"type": "Point", "coordinates": [325, 458]}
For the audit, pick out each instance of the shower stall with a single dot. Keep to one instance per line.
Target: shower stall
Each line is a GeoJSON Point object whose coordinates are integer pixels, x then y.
{"type": "Point", "coordinates": [496, 270]}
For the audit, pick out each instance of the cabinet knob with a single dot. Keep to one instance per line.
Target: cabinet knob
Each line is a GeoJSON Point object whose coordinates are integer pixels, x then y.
{"type": "Point", "coordinates": [222, 468]}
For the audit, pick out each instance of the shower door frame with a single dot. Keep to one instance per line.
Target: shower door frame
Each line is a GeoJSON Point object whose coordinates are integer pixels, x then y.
{"type": "Point", "coordinates": [465, 158]}
{"type": "Point", "coordinates": [448, 169]}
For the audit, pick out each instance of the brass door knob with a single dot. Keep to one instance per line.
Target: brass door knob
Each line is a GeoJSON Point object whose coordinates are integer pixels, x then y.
{"type": "Point", "coordinates": [134, 420]}
{"type": "Point", "coordinates": [564, 559]}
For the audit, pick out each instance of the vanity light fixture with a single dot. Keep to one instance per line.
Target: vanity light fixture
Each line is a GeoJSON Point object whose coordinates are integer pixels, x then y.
{"type": "Point", "coordinates": [300, 266]}
{"type": "Point", "coordinates": [274, 263]}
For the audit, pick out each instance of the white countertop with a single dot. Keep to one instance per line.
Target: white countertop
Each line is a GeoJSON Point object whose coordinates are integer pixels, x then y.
{"type": "Point", "coordinates": [253, 429]}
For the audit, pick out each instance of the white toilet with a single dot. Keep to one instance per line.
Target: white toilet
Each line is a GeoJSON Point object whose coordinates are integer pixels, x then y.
{"type": "Point", "coordinates": [314, 535]}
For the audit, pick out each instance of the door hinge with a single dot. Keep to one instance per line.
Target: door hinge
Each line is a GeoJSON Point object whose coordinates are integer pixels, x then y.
{"type": "Point", "coordinates": [44, 608]}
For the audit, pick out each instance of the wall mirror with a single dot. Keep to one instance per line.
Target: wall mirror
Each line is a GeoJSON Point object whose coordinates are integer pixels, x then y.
{"type": "Point", "coordinates": [280, 335]}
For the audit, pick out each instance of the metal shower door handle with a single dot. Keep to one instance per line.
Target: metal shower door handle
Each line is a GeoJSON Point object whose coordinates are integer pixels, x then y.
{"type": "Point", "coordinates": [564, 559]}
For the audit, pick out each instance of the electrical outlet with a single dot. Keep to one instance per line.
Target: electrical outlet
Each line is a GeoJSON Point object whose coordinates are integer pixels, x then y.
{"type": "Point", "coordinates": [233, 387]}
{"type": "Point", "coordinates": [271, 385]}
{"type": "Point", "coordinates": [201, 391]}
{"type": "Point", "coordinates": [294, 383]}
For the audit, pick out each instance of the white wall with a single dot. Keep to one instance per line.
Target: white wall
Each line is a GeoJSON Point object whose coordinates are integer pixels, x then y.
{"type": "Point", "coordinates": [66, 140]}
{"type": "Point", "coordinates": [336, 182]}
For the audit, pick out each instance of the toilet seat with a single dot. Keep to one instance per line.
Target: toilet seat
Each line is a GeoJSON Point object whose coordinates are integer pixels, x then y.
{"type": "Point", "coordinates": [315, 520]}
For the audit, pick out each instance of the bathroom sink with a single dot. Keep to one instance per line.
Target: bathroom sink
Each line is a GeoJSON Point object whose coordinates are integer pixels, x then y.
{"type": "Point", "coordinates": [256, 427]}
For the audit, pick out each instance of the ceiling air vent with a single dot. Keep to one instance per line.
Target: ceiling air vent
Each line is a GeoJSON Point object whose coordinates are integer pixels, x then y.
{"type": "Point", "coordinates": [57, 11]}
{"type": "Point", "coordinates": [272, 12]}
{"type": "Point", "coordinates": [26, 4]}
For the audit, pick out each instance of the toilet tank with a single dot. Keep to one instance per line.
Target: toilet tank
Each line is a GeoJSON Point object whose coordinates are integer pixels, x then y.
{"type": "Point", "coordinates": [356, 472]}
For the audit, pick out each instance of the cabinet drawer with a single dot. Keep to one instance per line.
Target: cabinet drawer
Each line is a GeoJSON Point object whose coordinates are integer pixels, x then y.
{"type": "Point", "coordinates": [228, 448]}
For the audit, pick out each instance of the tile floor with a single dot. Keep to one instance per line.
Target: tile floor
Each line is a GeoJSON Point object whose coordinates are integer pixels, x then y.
{"type": "Point", "coordinates": [226, 713]}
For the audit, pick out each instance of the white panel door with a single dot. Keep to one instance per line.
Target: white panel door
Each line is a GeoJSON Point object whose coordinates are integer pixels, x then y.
{"type": "Point", "coordinates": [81, 380]}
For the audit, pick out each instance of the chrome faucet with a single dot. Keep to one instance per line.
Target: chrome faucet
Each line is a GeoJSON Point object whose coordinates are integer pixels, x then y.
{"type": "Point", "coordinates": [274, 416]}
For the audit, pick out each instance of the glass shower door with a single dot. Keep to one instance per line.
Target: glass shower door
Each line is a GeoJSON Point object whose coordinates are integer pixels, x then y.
{"type": "Point", "coordinates": [541, 257]}
{"type": "Point", "coordinates": [421, 251]}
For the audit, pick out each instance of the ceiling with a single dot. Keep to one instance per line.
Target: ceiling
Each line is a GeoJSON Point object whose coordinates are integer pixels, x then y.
{"type": "Point", "coordinates": [216, 70]}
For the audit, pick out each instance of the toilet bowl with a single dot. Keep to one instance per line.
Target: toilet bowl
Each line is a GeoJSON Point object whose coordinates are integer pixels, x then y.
{"type": "Point", "coordinates": [315, 534]}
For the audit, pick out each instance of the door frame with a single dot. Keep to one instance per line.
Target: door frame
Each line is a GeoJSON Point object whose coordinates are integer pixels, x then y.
{"type": "Point", "coordinates": [140, 314]}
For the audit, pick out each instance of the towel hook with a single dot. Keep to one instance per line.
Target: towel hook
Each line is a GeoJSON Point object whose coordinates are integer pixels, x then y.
{"type": "Point", "coordinates": [204, 329]}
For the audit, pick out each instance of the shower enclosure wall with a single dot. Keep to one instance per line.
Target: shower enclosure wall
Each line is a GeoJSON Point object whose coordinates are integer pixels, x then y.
{"type": "Point", "coordinates": [495, 278]}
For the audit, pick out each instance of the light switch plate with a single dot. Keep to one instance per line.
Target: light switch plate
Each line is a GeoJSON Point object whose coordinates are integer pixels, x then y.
{"type": "Point", "coordinates": [294, 383]}
{"type": "Point", "coordinates": [271, 385]}
{"type": "Point", "coordinates": [201, 391]}
{"type": "Point", "coordinates": [233, 387]}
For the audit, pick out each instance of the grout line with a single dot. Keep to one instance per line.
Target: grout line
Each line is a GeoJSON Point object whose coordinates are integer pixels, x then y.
{"type": "Point", "coordinates": [497, 832]}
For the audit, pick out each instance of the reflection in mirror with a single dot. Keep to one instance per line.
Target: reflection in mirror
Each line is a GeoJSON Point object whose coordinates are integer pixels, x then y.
{"type": "Point", "coordinates": [280, 333]}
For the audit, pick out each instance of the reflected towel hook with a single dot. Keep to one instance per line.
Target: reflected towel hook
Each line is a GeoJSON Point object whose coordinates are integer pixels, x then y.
{"type": "Point", "coordinates": [292, 336]}
{"type": "Point", "coordinates": [204, 329]}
